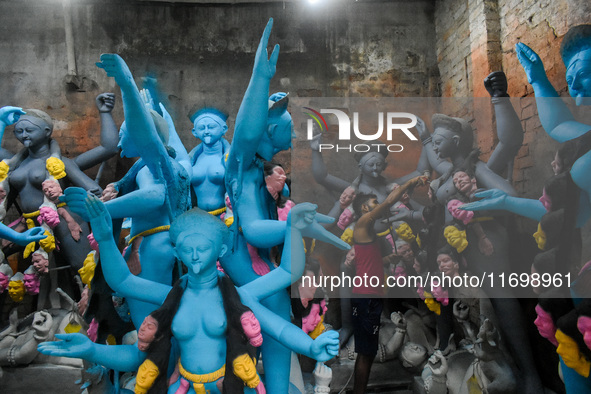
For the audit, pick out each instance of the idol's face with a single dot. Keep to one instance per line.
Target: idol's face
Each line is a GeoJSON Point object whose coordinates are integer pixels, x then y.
{"type": "Point", "coordinates": [31, 131]}
{"type": "Point", "coordinates": [443, 142]}
{"type": "Point", "coordinates": [578, 77]}
{"type": "Point", "coordinates": [209, 129]}
{"type": "Point", "coordinates": [199, 253]}
{"type": "Point", "coordinates": [374, 166]}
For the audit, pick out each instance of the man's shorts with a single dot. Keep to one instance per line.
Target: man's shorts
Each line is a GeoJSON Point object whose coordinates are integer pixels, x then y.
{"type": "Point", "coordinates": [366, 324]}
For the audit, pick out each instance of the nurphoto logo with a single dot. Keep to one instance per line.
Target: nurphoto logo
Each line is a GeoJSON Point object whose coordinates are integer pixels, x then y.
{"type": "Point", "coordinates": [396, 122]}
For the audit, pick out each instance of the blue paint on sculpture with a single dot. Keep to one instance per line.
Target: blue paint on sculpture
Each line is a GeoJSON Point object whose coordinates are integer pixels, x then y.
{"type": "Point", "coordinates": [208, 159]}
{"type": "Point", "coordinates": [558, 121]}
{"type": "Point", "coordinates": [263, 128]}
{"type": "Point", "coordinates": [153, 192]}
{"type": "Point", "coordinates": [199, 325]}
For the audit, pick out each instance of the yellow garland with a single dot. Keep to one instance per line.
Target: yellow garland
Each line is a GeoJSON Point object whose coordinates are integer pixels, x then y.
{"type": "Point", "coordinates": [198, 380]}
{"type": "Point", "coordinates": [384, 233]}
{"type": "Point", "coordinates": [217, 212]}
{"type": "Point", "coordinates": [32, 215]}
{"type": "Point", "coordinates": [312, 246]}
{"type": "Point", "coordinates": [4, 168]}
{"type": "Point", "coordinates": [151, 231]}
{"type": "Point", "coordinates": [55, 167]}
{"type": "Point", "coordinates": [482, 219]}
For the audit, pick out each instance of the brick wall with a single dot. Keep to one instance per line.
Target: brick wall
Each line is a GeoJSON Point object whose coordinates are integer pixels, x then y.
{"type": "Point", "coordinates": [202, 55]}
{"type": "Point", "coordinates": [475, 38]}
{"type": "Point", "coordinates": [539, 24]}
{"type": "Point", "coordinates": [452, 27]}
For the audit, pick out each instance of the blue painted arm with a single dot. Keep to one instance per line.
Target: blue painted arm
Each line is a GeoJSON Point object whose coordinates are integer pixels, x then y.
{"type": "Point", "coordinates": [556, 118]}
{"type": "Point", "coordinates": [302, 221]}
{"type": "Point", "coordinates": [292, 261]}
{"type": "Point", "coordinates": [263, 233]}
{"type": "Point", "coordinates": [8, 116]}
{"type": "Point", "coordinates": [323, 348]}
{"type": "Point", "coordinates": [114, 266]}
{"type": "Point", "coordinates": [251, 121]}
{"type": "Point", "coordinates": [496, 199]}
{"type": "Point", "coordinates": [175, 142]}
{"type": "Point", "coordinates": [149, 196]}
{"type": "Point", "coordinates": [32, 235]}
{"type": "Point", "coordinates": [120, 358]}
{"type": "Point", "coordinates": [140, 126]}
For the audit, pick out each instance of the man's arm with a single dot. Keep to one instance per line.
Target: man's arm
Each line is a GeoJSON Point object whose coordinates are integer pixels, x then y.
{"type": "Point", "coordinates": [361, 232]}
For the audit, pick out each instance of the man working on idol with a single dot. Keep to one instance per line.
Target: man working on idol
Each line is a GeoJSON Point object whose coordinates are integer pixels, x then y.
{"type": "Point", "coordinates": [367, 308]}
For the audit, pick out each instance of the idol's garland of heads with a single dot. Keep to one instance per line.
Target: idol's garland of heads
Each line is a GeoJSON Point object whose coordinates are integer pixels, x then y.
{"type": "Point", "coordinates": [243, 330]}
{"type": "Point", "coordinates": [435, 233]}
{"type": "Point", "coordinates": [441, 244]}
{"type": "Point", "coordinates": [275, 179]}
{"type": "Point", "coordinates": [436, 237]}
{"type": "Point", "coordinates": [304, 293]}
{"type": "Point", "coordinates": [436, 292]}
{"type": "Point", "coordinates": [577, 343]}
